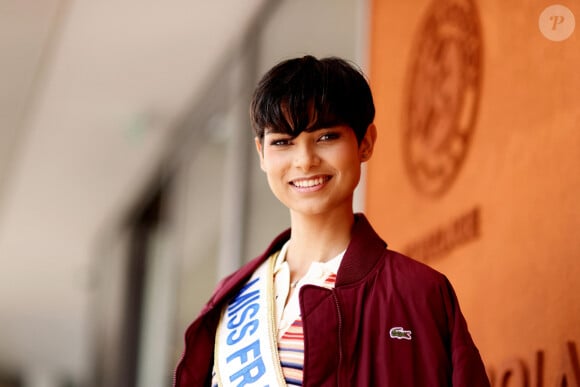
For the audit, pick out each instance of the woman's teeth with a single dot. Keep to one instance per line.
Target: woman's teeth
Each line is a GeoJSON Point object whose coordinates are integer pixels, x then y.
{"type": "Point", "coordinates": [306, 183]}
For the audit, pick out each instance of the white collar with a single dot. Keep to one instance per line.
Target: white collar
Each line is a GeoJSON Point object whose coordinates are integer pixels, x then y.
{"type": "Point", "coordinates": [330, 265]}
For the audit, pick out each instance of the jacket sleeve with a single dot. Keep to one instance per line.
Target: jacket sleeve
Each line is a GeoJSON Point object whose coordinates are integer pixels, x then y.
{"type": "Point", "coordinates": [468, 367]}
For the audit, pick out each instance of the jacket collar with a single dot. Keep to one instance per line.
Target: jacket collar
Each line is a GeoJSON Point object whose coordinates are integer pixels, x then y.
{"type": "Point", "coordinates": [362, 253]}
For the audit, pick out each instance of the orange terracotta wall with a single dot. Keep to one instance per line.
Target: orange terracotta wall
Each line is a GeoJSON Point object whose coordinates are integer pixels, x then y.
{"type": "Point", "coordinates": [477, 169]}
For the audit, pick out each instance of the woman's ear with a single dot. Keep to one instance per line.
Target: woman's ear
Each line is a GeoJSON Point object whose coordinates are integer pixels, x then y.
{"type": "Point", "coordinates": [368, 143]}
{"type": "Point", "coordinates": [260, 150]}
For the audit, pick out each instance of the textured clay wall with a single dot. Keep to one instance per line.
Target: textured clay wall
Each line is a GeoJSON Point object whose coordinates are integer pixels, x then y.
{"type": "Point", "coordinates": [476, 170]}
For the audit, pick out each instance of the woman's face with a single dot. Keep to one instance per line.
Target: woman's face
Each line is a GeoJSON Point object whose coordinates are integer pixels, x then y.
{"type": "Point", "coordinates": [316, 172]}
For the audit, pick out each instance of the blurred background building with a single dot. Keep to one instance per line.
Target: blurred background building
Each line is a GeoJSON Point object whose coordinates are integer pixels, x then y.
{"type": "Point", "coordinates": [128, 181]}
{"type": "Point", "coordinates": [129, 184]}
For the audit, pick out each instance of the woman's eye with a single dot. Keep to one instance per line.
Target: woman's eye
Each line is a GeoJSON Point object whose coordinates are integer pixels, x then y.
{"type": "Point", "coordinates": [329, 136]}
{"type": "Point", "coordinates": [280, 142]}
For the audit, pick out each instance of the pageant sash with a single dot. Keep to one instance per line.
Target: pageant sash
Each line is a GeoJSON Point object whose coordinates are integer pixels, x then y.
{"type": "Point", "coordinates": [246, 350]}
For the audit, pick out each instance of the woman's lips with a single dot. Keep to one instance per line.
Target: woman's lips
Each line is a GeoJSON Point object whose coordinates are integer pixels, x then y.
{"type": "Point", "coordinates": [310, 183]}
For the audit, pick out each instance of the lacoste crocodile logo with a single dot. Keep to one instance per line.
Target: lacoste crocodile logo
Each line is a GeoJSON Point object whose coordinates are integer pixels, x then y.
{"type": "Point", "coordinates": [400, 333]}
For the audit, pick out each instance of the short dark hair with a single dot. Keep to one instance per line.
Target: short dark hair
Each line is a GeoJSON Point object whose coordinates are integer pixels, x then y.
{"type": "Point", "coordinates": [305, 94]}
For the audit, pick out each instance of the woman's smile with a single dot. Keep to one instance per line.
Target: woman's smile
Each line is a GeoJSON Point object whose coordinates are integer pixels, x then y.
{"type": "Point", "coordinates": [310, 184]}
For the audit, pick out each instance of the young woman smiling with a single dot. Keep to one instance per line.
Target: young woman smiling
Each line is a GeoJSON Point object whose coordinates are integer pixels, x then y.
{"type": "Point", "coordinates": [327, 303]}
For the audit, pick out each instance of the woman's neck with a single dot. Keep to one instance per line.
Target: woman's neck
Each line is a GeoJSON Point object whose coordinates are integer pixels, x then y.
{"type": "Point", "coordinates": [317, 238]}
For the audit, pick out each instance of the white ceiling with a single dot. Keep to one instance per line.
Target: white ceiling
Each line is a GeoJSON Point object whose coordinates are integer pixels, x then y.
{"type": "Point", "coordinates": [89, 93]}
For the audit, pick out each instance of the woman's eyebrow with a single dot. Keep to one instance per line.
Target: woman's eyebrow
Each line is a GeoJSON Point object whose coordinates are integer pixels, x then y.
{"type": "Point", "coordinates": [270, 133]}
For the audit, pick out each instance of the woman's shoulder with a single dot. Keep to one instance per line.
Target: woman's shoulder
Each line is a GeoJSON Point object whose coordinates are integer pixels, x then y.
{"type": "Point", "coordinates": [239, 276]}
{"type": "Point", "coordinates": [236, 279]}
{"type": "Point", "coordinates": [411, 273]}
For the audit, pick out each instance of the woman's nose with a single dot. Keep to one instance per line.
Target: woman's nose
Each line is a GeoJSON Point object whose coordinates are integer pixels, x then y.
{"type": "Point", "coordinates": [306, 156]}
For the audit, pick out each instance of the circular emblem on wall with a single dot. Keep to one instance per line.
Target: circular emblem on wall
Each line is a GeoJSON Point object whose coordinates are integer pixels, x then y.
{"type": "Point", "coordinates": [443, 95]}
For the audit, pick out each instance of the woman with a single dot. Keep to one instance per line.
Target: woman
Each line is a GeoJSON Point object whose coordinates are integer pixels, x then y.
{"type": "Point", "coordinates": [327, 304]}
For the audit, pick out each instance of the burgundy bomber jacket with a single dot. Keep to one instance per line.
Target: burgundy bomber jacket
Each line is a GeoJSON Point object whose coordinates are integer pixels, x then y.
{"type": "Point", "coordinates": [390, 321]}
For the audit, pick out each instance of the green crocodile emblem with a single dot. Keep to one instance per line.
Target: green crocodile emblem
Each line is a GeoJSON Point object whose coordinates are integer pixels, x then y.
{"type": "Point", "coordinates": [400, 333]}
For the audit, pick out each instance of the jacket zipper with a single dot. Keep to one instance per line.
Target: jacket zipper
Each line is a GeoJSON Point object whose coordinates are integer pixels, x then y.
{"type": "Point", "coordinates": [337, 304]}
